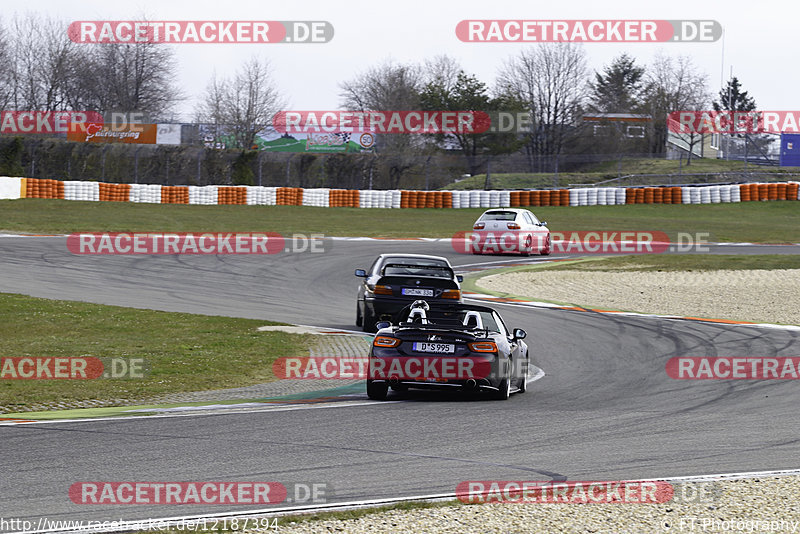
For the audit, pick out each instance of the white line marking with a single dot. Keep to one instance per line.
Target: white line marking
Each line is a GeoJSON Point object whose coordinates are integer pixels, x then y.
{"type": "Point", "coordinates": [267, 408]}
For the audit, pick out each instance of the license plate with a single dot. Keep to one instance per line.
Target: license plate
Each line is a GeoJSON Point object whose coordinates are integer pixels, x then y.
{"type": "Point", "coordinates": [438, 348]}
{"type": "Point", "coordinates": [415, 292]}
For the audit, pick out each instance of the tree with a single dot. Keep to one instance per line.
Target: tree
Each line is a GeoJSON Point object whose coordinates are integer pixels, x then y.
{"type": "Point", "coordinates": [673, 84]}
{"type": "Point", "coordinates": [243, 105]}
{"type": "Point", "coordinates": [127, 77]}
{"type": "Point", "coordinates": [468, 93]}
{"type": "Point", "coordinates": [42, 60]}
{"type": "Point", "coordinates": [732, 99]}
{"type": "Point", "coordinates": [389, 87]}
{"type": "Point", "coordinates": [618, 89]}
{"type": "Point", "coordinates": [551, 80]}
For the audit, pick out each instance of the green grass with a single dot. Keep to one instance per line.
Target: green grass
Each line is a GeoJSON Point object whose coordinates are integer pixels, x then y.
{"type": "Point", "coordinates": [183, 352]}
{"type": "Point", "coordinates": [682, 262]}
{"type": "Point", "coordinates": [765, 222]}
{"type": "Point", "coordinates": [611, 169]}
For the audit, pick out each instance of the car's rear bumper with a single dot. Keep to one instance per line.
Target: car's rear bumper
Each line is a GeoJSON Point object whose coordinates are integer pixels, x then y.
{"type": "Point", "coordinates": [391, 306]}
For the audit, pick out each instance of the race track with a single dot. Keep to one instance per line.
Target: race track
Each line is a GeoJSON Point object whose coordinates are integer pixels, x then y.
{"type": "Point", "coordinates": [605, 410]}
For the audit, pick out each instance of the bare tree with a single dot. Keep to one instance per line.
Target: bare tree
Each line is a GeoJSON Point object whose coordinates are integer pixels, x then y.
{"type": "Point", "coordinates": [673, 84]}
{"type": "Point", "coordinates": [245, 104]}
{"type": "Point", "coordinates": [389, 87]}
{"type": "Point", "coordinates": [442, 71]}
{"type": "Point", "coordinates": [6, 72]}
{"type": "Point", "coordinates": [551, 80]}
{"type": "Point", "coordinates": [136, 77]}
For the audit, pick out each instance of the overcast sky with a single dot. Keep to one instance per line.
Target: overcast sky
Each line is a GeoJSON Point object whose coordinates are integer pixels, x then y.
{"type": "Point", "coordinates": [760, 44]}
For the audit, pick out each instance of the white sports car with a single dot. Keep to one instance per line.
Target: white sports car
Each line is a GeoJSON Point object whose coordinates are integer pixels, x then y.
{"type": "Point", "coordinates": [509, 230]}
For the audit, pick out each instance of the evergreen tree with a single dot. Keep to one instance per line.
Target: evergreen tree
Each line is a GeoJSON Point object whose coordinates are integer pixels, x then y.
{"type": "Point", "coordinates": [732, 99]}
{"type": "Point", "coordinates": [618, 88]}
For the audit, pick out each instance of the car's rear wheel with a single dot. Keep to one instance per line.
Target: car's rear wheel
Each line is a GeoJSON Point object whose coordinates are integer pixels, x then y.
{"type": "Point", "coordinates": [527, 248]}
{"type": "Point", "coordinates": [523, 384]}
{"type": "Point", "coordinates": [504, 389]}
{"type": "Point", "coordinates": [545, 251]}
{"type": "Point", "coordinates": [377, 390]}
{"type": "Point", "coordinates": [369, 321]}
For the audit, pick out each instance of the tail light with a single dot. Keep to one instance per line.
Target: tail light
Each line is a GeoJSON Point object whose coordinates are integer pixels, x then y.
{"type": "Point", "coordinates": [513, 226]}
{"type": "Point", "coordinates": [451, 294]}
{"type": "Point", "coordinates": [382, 290]}
{"type": "Point", "coordinates": [478, 226]}
{"type": "Point", "coordinates": [385, 341]}
{"type": "Point", "coordinates": [482, 346]}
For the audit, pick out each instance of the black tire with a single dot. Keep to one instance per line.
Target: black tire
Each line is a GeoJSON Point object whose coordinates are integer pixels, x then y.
{"type": "Point", "coordinates": [400, 388]}
{"type": "Point", "coordinates": [369, 321]}
{"type": "Point", "coordinates": [523, 385]}
{"type": "Point", "coordinates": [359, 318]}
{"type": "Point", "coordinates": [527, 248]}
{"type": "Point", "coordinates": [504, 390]}
{"type": "Point", "coordinates": [377, 390]}
{"type": "Point", "coordinates": [547, 247]}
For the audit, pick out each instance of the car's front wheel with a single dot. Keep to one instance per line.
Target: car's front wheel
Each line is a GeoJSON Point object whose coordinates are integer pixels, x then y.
{"type": "Point", "coordinates": [377, 390]}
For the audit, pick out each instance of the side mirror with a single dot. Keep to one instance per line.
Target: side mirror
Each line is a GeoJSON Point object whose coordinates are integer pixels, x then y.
{"type": "Point", "coordinates": [543, 223]}
{"type": "Point", "coordinates": [519, 333]}
{"type": "Point", "coordinates": [382, 324]}
{"type": "Point", "coordinates": [361, 272]}
{"type": "Point", "coordinates": [459, 278]}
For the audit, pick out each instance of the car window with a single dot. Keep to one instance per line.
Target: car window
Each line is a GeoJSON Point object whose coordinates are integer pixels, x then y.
{"type": "Point", "coordinates": [532, 217]}
{"type": "Point", "coordinates": [403, 269]}
{"type": "Point", "coordinates": [500, 326]}
{"type": "Point", "coordinates": [528, 218]}
{"type": "Point", "coordinates": [373, 268]}
{"type": "Point", "coordinates": [415, 261]}
{"type": "Point", "coordinates": [499, 216]}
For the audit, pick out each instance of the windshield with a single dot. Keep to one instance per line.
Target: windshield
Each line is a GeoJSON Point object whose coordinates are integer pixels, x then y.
{"type": "Point", "coordinates": [456, 318]}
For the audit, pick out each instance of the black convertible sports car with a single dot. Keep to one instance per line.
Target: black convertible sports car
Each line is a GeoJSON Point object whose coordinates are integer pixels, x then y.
{"type": "Point", "coordinates": [441, 346]}
{"type": "Point", "coordinates": [396, 280]}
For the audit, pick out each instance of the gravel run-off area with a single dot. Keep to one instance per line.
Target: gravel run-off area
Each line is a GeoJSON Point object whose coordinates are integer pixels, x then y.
{"type": "Point", "coordinates": [765, 296]}
{"type": "Point", "coordinates": [748, 505]}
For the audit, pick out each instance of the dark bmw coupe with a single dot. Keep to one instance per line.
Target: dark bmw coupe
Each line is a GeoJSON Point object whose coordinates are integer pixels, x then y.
{"type": "Point", "coordinates": [396, 280]}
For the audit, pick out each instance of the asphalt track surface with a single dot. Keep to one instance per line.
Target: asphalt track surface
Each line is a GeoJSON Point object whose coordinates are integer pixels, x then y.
{"type": "Point", "coordinates": [606, 410]}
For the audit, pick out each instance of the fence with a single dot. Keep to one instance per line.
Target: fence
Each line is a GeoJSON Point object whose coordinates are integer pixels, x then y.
{"type": "Point", "coordinates": [15, 188]}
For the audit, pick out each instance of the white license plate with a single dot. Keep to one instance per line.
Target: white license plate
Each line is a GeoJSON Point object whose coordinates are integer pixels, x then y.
{"type": "Point", "coordinates": [439, 348]}
{"type": "Point", "coordinates": [413, 291]}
